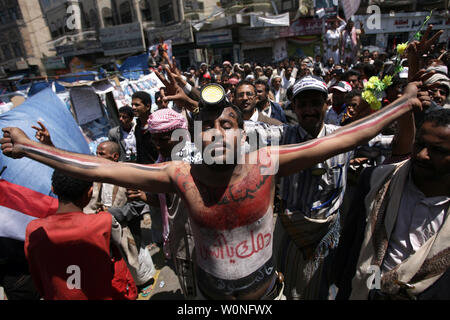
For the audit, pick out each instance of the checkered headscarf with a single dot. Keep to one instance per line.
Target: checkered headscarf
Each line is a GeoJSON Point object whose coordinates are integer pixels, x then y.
{"type": "Point", "coordinates": [166, 120]}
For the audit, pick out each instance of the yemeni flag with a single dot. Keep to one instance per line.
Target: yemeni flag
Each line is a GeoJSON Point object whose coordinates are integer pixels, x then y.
{"type": "Point", "coordinates": [20, 205]}
{"type": "Point", "coordinates": [25, 184]}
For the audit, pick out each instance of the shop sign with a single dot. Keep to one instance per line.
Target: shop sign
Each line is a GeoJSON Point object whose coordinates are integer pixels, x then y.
{"type": "Point", "coordinates": [79, 48]}
{"type": "Point", "coordinates": [302, 27]}
{"type": "Point", "coordinates": [403, 22]}
{"type": "Point", "coordinates": [248, 34]}
{"type": "Point", "coordinates": [179, 34]}
{"type": "Point", "coordinates": [121, 39]}
{"type": "Point", "coordinates": [54, 63]}
{"type": "Point", "coordinates": [214, 37]}
{"type": "Point", "coordinates": [21, 65]}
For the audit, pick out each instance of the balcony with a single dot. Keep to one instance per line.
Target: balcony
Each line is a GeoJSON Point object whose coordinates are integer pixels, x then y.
{"type": "Point", "coordinates": [76, 43]}
{"type": "Point", "coordinates": [72, 38]}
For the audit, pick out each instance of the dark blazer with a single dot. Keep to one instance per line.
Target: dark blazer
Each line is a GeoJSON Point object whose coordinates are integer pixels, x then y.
{"type": "Point", "coordinates": [146, 150]}
{"type": "Point", "coordinates": [277, 112]}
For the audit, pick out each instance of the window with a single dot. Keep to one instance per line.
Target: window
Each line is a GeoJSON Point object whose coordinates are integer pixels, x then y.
{"type": "Point", "coordinates": [146, 10]}
{"type": "Point", "coordinates": [84, 17]}
{"type": "Point", "coordinates": [14, 14]}
{"type": "Point", "coordinates": [107, 17]}
{"type": "Point", "coordinates": [125, 13]}
{"type": "Point", "coordinates": [45, 3]}
{"type": "Point", "coordinates": [166, 13]}
{"type": "Point", "coordinates": [93, 18]}
{"type": "Point", "coordinates": [53, 30]}
{"type": "Point", "coordinates": [60, 26]}
{"type": "Point", "coordinates": [17, 49]}
{"type": "Point", "coordinates": [289, 5]}
{"type": "Point", "coordinates": [7, 52]}
{"type": "Point", "coordinates": [2, 17]}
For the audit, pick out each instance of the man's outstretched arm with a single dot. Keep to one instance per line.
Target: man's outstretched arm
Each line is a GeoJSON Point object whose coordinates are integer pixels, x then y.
{"type": "Point", "coordinates": [294, 158]}
{"type": "Point", "coordinates": [151, 178]}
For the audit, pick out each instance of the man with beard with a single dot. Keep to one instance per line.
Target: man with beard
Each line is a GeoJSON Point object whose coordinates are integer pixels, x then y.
{"type": "Point", "coordinates": [308, 228]}
{"type": "Point", "coordinates": [287, 80]}
{"type": "Point", "coordinates": [266, 106]}
{"type": "Point", "coordinates": [402, 239]}
{"type": "Point", "coordinates": [440, 93]}
{"type": "Point", "coordinates": [278, 91]}
{"type": "Point", "coordinates": [229, 195]}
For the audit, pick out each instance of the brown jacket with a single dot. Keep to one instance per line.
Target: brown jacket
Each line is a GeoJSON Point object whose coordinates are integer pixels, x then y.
{"type": "Point", "coordinates": [270, 121]}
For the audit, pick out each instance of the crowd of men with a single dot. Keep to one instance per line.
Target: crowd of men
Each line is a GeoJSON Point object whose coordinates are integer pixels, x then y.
{"type": "Point", "coordinates": [339, 192]}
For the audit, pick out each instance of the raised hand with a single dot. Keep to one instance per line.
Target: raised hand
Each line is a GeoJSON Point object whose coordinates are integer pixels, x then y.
{"type": "Point", "coordinates": [173, 92]}
{"type": "Point", "coordinates": [136, 195]}
{"type": "Point", "coordinates": [417, 92]}
{"type": "Point", "coordinates": [13, 139]}
{"type": "Point", "coordinates": [416, 49]}
{"type": "Point", "coordinates": [42, 134]}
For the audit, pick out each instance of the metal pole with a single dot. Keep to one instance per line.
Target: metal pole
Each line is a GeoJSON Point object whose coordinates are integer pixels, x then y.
{"type": "Point", "coordinates": [274, 5]}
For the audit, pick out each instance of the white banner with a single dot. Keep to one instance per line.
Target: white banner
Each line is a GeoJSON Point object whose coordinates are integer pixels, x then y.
{"type": "Point", "coordinates": [281, 20]}
{"type": "Point", "coordinates": [403, 22]}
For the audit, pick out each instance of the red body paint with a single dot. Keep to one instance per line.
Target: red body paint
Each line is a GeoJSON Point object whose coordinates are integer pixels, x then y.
{"type": "Point", "coordinates": [228, 207]}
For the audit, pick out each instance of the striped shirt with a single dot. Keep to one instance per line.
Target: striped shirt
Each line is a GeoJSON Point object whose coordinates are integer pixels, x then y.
{"type": "Point", "coordinates": [317, 192]}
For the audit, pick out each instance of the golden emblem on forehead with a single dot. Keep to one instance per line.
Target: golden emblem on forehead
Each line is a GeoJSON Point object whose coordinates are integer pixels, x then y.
{"type": "Point", "coordinates": [213, 94]}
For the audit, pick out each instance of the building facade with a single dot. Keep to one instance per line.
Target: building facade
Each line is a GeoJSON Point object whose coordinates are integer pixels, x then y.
{"type": "Point", "coordinates": [62, 36]}
{"type": "Point", "coordinates": [23, 38]}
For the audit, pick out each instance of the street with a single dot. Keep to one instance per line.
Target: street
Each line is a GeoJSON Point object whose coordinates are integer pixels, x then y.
{"type": "Point", "coordinates": [166, 285]}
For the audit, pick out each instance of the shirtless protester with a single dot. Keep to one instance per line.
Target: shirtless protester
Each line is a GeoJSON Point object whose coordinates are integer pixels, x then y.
{"type": "Point", "coordinates": [230, 204]}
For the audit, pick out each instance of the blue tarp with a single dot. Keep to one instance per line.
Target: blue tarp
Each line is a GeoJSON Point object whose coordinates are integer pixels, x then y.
{"type": "Point", "coordinates": [74, 77]}
{"type": "Point", "coordinates": [131, 65]}
{"type": "Point", "coordinates": [41, 85]}
{"type": "Point", "coordinates": [64, 131]}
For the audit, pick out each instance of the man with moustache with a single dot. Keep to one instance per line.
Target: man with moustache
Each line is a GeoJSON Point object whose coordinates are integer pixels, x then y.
{"type": "Point", "coordinates": [265, 105]}
{"type": "Point", "coordinates": [245, 98]}
{"type": "Point", "coordinates": [402, 239]}
{"type": "Point", "coordinates": [230, 202]}
{"type": "Point", "coordinates": [278, 91]}
{"type": "Point", "coordinates": [308, 228]}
